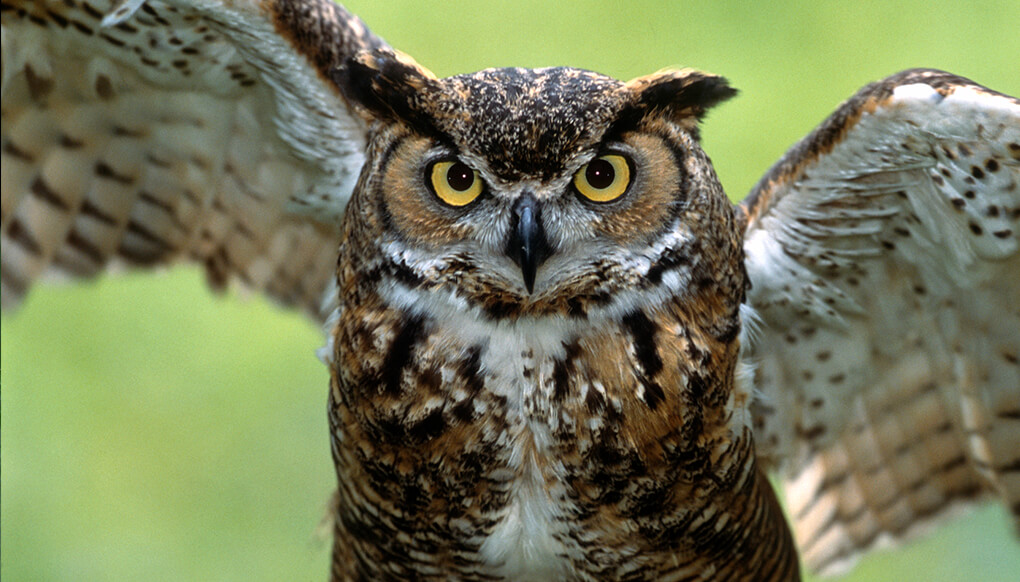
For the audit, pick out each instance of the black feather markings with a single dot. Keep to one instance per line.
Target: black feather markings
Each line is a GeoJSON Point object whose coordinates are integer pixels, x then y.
{"type": "Point", "coordinates": [386, 87]}
{"type": "Point", "coordinates": [674, 94]}
{"type": "Point", "coordinates": [642, 331]}
{"type": "Point", "coordinates": [694, 93]}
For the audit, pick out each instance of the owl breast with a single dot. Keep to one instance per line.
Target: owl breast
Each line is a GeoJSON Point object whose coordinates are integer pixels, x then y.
{"type": "Point", "coordinates": [466, 427]}
{"type": "Point", "coordinates": [543, 447]}
{"type": "Point", "coordinates": [516, 372]}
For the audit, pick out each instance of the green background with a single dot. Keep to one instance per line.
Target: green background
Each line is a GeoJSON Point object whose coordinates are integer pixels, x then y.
{"type": "Point", "coordinates": [153, 430]}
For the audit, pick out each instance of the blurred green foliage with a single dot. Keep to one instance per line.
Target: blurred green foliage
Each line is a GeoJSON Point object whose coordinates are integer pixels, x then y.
{"type": "Point", "coordinates": [153, 431]}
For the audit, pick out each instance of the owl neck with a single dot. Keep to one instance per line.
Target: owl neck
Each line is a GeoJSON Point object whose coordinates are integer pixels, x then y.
{"type": "Point", "coordinates": [548, 446]}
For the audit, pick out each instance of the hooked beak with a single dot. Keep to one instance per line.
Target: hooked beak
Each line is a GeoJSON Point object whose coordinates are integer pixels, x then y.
{"type": "Point", "coordinates": [527, 245]}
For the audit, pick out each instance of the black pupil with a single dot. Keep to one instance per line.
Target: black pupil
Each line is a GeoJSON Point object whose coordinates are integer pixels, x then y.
{"type": "Point", "coordinates": [600, 174]}
{"type": "Point", "coordinates": [460, 177]}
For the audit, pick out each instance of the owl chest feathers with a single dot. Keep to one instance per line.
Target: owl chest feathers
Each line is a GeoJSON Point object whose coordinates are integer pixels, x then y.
{"type": "Point", "coordinates": [527, 448]}
{"type": "Point", "coordinates": [471, 389]}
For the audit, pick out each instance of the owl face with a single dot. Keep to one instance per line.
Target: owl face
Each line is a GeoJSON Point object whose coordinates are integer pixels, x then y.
{"type": "Point", "coordinates": [529, 192]}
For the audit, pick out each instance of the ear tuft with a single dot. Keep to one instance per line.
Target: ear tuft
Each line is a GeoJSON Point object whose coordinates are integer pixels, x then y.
{"type": "Point", "coordinates": [680, 94]}
{"type": "Point", "coordinates": [385, 84]}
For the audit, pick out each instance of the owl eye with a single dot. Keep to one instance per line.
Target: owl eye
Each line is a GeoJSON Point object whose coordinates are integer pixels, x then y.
{"type": "Point", "coordinates": [603, 179]}
{"type": "Point", "coordinates": [455, 183]}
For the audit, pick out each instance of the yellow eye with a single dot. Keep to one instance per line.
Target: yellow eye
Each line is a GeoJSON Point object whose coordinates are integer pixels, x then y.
{"type": "Point", "coordinates": [455, 183]}
{"type": "Point", "coordinates": [603, 179]}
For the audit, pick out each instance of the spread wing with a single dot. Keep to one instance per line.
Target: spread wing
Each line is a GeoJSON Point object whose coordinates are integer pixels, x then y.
{"type": "Point", "coordinates": [142, 133]}
{"type": "Point", "coordinates": [882, 251]}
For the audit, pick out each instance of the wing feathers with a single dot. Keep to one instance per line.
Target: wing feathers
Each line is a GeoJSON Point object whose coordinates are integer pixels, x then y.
{"type": "Point", "coordinates": [883, 256]}
{"type": "Point", "coordinates": [178, 130]}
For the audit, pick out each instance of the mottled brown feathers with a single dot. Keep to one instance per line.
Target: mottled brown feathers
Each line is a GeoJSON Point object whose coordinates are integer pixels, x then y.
{"type": "Point", "coordinates": [592, 419]}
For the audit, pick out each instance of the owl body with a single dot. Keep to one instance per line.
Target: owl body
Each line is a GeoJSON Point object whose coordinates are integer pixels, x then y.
{"type": "Point", "coordinates": [586, 428]}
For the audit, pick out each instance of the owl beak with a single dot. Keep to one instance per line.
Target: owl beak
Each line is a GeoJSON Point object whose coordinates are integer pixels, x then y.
{"type": "Point", "coordinates": [527, 245]}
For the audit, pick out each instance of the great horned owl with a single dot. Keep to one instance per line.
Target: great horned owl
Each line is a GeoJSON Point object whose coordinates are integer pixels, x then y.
{"type": "Point", "coordinates": [536, 348]}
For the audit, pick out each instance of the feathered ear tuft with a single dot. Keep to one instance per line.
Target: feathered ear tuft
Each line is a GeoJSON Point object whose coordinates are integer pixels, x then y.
{"type": "Point", "coordinates": [680, 95]}
{"type": "Point", "coordinates": [385, 84]}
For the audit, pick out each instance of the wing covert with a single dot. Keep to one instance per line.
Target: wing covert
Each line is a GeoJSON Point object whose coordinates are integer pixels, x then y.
{"type": "Point", "coordinates": [142, 133]}
{"type": "Point", "coordinates": [882, 252]}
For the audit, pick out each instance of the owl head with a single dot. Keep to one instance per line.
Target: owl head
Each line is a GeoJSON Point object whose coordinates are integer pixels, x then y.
{"type": "Point", "coordinates": [527, 192]}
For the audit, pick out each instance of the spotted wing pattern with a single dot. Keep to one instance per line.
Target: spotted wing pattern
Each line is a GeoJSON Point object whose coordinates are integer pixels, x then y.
{"type": "Point", "coordinates": [142, 133]}
{"type": "Point", "coordinates": [883, 256]}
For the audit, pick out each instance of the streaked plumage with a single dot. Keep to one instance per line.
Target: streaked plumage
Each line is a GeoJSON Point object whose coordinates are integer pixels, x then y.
{"type": "Point", "coordinates": [507, 396]}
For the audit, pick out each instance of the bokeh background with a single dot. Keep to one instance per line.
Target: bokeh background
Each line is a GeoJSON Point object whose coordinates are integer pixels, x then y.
{"type": "Point", "coordinates": [152, 430]}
